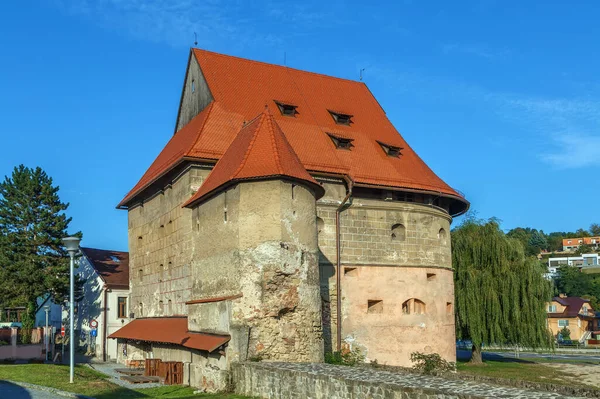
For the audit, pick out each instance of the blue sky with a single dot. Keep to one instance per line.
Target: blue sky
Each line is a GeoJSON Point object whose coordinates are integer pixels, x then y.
{"type": "Point", "coordinates": [501, 99]}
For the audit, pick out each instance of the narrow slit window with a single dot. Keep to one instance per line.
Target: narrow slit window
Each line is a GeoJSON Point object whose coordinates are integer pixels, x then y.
{"type": "Point", "coordinates": [341, 143]}
{"type": "Point", "coordinates": [170, 307]}
{"type": "Point", "coordinates": [141, 275]}
{"type": "Point", "coordinates": [449, 308]}
{"type": "Point", "coordinates": [341, 119]}
{"type": "Point", "coordinates": [374, 306]}
{"type": "Point", "coordinates": [286, 109]}
{"type": "Point", "coordinates": [122, 307]}
{"type": "Point", "coordinates": [442, 236]}
{"type": "Point", "coordinates": [193, 86]}
{"type": "Point", "coordinates": [431, 276]}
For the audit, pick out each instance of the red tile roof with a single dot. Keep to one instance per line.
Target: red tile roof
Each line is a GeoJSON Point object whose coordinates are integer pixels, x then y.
{"type": "Point", "coordinates": [260, 151]}
{"type": "Point", "coordinates": [170, 330]}
{"type": "Point", "coordinates": [572, 306]}
{"type": "Point", "coordinates": [241, 88]}
{"type": "Point", "coordinates": [111, 266]}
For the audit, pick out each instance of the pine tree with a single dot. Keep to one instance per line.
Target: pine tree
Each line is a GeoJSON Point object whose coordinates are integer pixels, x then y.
{"type": "Point", "coordinates": [33, 262]}
{"type": "Point", "coordinates": [500, 292]}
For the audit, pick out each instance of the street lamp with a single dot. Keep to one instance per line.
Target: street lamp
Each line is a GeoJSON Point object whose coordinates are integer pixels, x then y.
{"type": "Point", "coordinates": [46, 309]}
{"type": "Point", "coordinates": [72, 246]}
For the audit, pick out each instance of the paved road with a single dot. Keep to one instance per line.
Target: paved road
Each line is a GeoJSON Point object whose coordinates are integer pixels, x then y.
{"type": "Point", "coordinates": [575, 357]}
{"type": "Point", "coordinates": [12, 391]}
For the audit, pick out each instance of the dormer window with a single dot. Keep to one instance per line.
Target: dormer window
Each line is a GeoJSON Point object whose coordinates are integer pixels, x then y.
{"type": "Point", "coordinates": [390, 150]}
{"type": "Point", "coordinates": [341, 143]}
{"type": "Point", "coordinates": [341, 119]}
{"type": "Point", "coordinates": [286, 109]}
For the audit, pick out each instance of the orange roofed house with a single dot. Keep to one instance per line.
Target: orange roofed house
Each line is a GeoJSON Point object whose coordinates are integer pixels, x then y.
{"type": "Point", "coordinates": [574, 313]}
{"type": "Point", "coordinates": [286, 217]}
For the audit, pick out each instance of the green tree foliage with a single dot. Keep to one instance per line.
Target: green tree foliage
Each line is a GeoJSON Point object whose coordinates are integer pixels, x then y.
{"type": "Point", "coordinates": [500, 293]}
{"type": "Point", "coordinates": [572, 282]}
{"type": "Point", "coordinates": [537, 241]}
{"type": "Point", "coordinates": [595, 229]}
{"type": "Point", "coordinates": [533, 240]}
{"type": "Point", "coordinates": [582, 233]}
{"type": "Point", "coordinates": [585, 249]}
{"type": "Point", "coordinates": [32, 224]}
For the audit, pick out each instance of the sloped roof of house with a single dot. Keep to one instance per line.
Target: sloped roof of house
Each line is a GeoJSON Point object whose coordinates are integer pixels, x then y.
{"type": "Point", "coordinates": [260, 151]}
{"type": "Point", "coordinates": [242, 88]}
{"type": "Point", "coordinates": [170, 330]}
{"type": "Point", "coordinates": [111, 266]}
{"type": "Point", "coordinates": [572, 306]}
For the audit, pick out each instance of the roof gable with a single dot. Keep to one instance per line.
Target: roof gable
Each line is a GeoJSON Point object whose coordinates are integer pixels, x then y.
{"type": "Point", "coordinates": [111, 266]}
{"type": "Point", "coordinates": [259, 151]}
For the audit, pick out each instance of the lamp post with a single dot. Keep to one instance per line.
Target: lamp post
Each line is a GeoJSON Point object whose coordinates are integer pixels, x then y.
{"type": "Point", "coordinates": [46, 309]}
{"type": "Point", "coordinates": [72, 246]}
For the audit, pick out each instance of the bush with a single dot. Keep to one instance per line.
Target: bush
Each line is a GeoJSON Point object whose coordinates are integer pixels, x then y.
{"type": "Point", "coordinates": [564, 334]}
{"type": "Point", "coordinates": [431, 364]}
{"type": "Point", "coordinates": [4, 343]}
{"type": "Point", "coordinates": [348, 357]}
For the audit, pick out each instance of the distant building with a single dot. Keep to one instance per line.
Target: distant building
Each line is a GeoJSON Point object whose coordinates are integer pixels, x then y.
{"type": "Point", "coordinates": [571, 244]}
{"type": "Point", "coordinates": [574, 313]}
{"type": "Point", "coordinates": [583, 261]}
{"type": "Point", "coordinates": [105, 304]}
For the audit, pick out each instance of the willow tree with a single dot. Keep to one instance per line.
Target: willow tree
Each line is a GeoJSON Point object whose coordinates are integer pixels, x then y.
{"type": "Point", "coordinates": [500, 292]}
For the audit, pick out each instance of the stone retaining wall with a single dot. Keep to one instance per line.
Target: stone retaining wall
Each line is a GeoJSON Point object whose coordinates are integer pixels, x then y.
{"type": "Point", "coordinates": [325, 381]}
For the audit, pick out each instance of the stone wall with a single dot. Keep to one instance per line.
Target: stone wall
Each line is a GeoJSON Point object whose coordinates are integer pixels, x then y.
{"type": "Point", "coordinates": [257, 243]}
{"type": "Point", "coordinates": [393, 253]}
{"type": "Point", "coordinates": [325, 381]}
{"type": "Point", "coordinates": [160, 249]}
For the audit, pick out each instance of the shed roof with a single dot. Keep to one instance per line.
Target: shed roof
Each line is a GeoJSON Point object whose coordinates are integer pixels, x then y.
{"type": "Point", "coordinates": [170, 330]}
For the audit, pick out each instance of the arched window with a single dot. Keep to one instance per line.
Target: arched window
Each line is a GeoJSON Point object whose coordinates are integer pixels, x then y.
{"type": "Point", "coordinates": [161, 307]}
{"type": "Point", "coordinates": [413, 306]}
{"type": "Point", "coordinates": [170, 307]}
{"type": "Point", "coordinates": [442, 235]}
{"type": "Point", "coordinates": [398, 232]}
{"type": "Point", "coordinates": [141, 308]}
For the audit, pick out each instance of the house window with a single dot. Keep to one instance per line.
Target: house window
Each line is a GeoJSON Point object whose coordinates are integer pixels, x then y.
{"type": "Point", "coordinates": [563, 323]}
{"type": "Point", "coordinates": [122, 306]}
{"type": "Point", "coordinates": [341, 119]}
{"type": "Point", "coordinates": [341, 143]}
{"type": "Point", "coordinates": [551, 308]}
{"type": "Point", "coordinates": [390, 150]}
{"type": "Point", "coordinates": [193, 86]}
{"type": "Point", "coordinates": [286, 109]}
{"type": "Point", "coordinates": [442, 236]}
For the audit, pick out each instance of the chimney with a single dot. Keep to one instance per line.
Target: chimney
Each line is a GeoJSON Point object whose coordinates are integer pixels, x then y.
{"type": "Point", "coordinates": [562, 295]}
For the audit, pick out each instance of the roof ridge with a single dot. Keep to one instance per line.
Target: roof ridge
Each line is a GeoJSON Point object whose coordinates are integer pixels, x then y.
{"type": "Point", "coordinates": [250, 146]}
{"type": "Point", "coordinates": [274, 144]}
{"type": "Point", "coordinates": [279, 66]}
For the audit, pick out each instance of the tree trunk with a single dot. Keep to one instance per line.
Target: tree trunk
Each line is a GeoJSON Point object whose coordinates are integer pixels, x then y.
{"type": "Point", "coordinates": [476, 357]}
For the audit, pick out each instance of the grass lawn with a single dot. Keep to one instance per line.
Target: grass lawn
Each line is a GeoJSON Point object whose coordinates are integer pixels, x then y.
{"type": "Point", "coordinates": [92, 383]}
{"type": "Point", "coordinates": [523, 371]}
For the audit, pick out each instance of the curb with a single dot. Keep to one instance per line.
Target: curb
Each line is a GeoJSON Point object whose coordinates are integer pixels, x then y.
{"type": "Point", "coordinates": [48, 389]}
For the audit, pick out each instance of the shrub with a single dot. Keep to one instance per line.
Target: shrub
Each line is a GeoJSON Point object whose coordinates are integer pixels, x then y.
{"type": "Point", "coordinates": [564, 334]}
{"type": "Point", "coordinates": [431, 364]}
{"type": "Point", "coordinates": [348, 357]}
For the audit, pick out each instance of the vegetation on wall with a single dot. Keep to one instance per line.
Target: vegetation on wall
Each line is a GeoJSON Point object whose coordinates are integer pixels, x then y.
{"type": "Point", "coordinates": [500, 292]}
{"type": "Point", "coordinates": [33, 262]}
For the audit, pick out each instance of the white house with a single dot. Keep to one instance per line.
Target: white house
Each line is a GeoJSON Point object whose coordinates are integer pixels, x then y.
{"type": "Point", "coordinates": [105, 304]}
{"type": "Point", "coordinates": [581, 262]}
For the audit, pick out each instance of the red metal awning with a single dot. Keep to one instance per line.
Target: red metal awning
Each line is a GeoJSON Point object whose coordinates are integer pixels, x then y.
{"type": "Point", "coordinates": [170, 330]}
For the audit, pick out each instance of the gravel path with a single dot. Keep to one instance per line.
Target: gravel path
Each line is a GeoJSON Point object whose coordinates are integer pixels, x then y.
{"type": "Point", "coordinates": [109, 369]}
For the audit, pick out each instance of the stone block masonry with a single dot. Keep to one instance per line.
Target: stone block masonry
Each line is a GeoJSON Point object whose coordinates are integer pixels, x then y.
{"type": "Point", "coordinates": [325, 381]}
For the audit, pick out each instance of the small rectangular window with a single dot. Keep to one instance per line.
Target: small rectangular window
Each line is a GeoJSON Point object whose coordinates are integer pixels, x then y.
{"type": "Point", "coordinates": [286, 109]}
{"type": "Point", "coordinates": [563, 323]}
{"type": "Point", "coordinates": [122, 305]}
{"type": "Point", "coordinates": [552, 309]}
{"type": "Point", "coordinates": [350, 271]}
{"type": "Point", "coordinates": [374, 306]}
{"type": "Point", "coordinates": [342, 143]}
{"type": "Point", "coordinates": [340, 118]}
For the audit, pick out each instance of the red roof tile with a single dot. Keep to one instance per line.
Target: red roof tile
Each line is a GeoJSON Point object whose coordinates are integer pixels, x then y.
{"type": "Point", "coordinates": [111, 266]}
{"type": "Point", "coordinates": [171, 330]}
{"type": "Point", "coordinates": [260, 151]}
{"type": "Point", "coordinates": [241, 89]}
